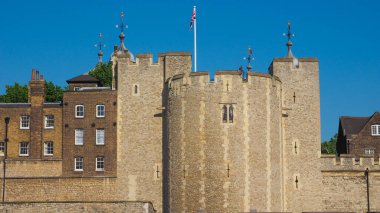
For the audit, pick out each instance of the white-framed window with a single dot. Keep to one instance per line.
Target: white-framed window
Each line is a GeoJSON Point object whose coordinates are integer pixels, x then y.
{"type": "Point", "coordinates": [79, 111]}
{"type": "Point", "coordinates": [2, 148]}
{"type": "Point", "coordinates": [78, 136]}
{"type": "Point", "coordinates": [49, 121]}
{"type": "Point", "coordinates": [369, 151]}
{"type": "Point", "coordinates": [100, 163]}
{"type": "Point", "coordinates": [100, 137]}
{"type": "Point", "coordinates": [76, 88]}
{"type": "Point", "coordinates": [48, 148]}
{"type": "Point", "coordinates": [24, 122]}
{"type": "Point", "coordinates": [24, 149]}
{"type": "Point", "coordinates": [100, 111]}
{"type": "Point", "coordinates": [78, 164]}
{"type": "Point", "coordinates": [375, 129]}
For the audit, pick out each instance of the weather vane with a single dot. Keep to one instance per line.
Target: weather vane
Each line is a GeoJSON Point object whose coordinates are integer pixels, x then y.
{"type": "Point", "coordinates": [122, 26]}
{"type": "Point", "coordinates": [289, 34]}
{"type": "Point", "coordinates": [289, 44]}
{"type": "Point", "coordinates": [100, 45]}
{"type": "Point", "coordinates": [249, 58]}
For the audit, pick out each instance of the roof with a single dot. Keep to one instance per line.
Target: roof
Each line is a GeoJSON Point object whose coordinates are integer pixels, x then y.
{"type": "Point", "coordinates": [84, 78]}
{"type": "Point", "coordinates": [353, 125]}
{"type": "Point", "coordinates": [14, 105]}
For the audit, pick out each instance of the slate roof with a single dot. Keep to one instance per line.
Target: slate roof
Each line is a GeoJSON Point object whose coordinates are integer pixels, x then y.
{"type": "Point", "coordinates": [353, 125]}
{"type": "Point", "coordinates": [84, 78]}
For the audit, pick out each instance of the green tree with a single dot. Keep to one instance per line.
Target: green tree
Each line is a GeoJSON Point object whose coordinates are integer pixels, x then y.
{"type": "Point", "coordinates": [16, 93]}
{"type": "Point", "coordinates": [329, 147]}
{"type": "Point", "coordinates": [53, 93]}
{"type": "Point", "coordinates": [103, 72]}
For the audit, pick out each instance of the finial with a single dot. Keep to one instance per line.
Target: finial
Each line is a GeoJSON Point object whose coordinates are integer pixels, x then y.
{"type": "Point", "coordinates": [100, 45]}
{"type": "Point", "coordinates": [122, 35]}
{"type": "Point", "coordinates": [289, 44]}
{"type": "Point", "coordinates": [249, 58]}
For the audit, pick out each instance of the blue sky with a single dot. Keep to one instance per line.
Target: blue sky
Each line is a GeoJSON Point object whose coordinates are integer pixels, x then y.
{"type": "Point", "coordinates": [58, 37]}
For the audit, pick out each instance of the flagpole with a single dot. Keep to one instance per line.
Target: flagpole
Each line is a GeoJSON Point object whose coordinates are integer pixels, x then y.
{"type": "Point", "coordinates": [195, 42]}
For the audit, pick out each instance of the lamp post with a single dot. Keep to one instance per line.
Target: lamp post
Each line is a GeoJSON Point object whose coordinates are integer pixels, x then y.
{"type": "Point", "coordinates": [7, 119]}
{"type": "Point", "coordinates": [366, 173]}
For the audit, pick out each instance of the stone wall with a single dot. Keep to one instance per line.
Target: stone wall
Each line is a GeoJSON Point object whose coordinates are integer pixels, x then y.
{"type": "Point", "coordinates": [344, 186]}
{"type": "Point", "coordinates": [72, 207]}
{"type": "Point", "coordinates": [221, 166]}
{"type": "Point", "coordinates": [33, 168]}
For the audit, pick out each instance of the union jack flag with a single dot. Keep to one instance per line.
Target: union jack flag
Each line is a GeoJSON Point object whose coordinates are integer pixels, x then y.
{"type": "Point", "coordinates": [192, 20]}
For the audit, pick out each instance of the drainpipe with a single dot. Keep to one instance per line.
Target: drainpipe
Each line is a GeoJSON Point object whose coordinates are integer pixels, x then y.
{"type": "Point", "coordinates": [366, 173]}
{"type": "Point", "coordinates": [5, 153]}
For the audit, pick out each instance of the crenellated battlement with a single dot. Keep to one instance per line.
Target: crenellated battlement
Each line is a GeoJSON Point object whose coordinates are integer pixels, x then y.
{"type": "Point", "coordinates": [222, 74]}
{"type": "Point", "coordinates": [348, 163]}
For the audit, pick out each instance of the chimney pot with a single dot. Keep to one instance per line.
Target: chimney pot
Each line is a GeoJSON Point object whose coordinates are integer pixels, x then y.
{"type": "Point", "coordinates": [33, 72]}
{"type": "Point", "coordinates": [42, 77]}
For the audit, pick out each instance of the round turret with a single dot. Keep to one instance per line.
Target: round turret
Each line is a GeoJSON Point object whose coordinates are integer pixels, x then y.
{"type": "Point", "coordinates": [224, 141]}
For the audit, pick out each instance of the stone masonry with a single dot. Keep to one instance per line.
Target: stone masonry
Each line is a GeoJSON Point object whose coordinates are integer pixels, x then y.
{"type": "Point", "coordinates": [185, 143]}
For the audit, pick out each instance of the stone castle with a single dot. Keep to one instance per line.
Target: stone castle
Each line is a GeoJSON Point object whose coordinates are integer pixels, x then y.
{"type": "Point", "coordinates": [241, 142]}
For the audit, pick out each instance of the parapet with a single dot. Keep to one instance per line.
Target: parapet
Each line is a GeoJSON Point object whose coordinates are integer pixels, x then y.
{"type": "Point", "coordinates": [346, 163]}
{"type": "Point", "coordinates": [299, 59]}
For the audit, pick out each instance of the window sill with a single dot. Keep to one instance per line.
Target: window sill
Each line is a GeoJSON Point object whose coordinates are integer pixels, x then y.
{"type": "Point", "coordinates": [79, 117]}
{"type": "Point", "coordinates": [78, 144]}
{"type": "Point", "coordinates": [100, 116]}
{"type": "Point", "coordinates": [24, 128]}
{"type": "Point", "coordinates": [98, 170]}
{"type": "Point", "coordinates": [49, 127]}
{"type": "Point", "coordinates": [48, 155]}
{"type": "Point", "coordinates": [23, 155]}
{"type": "Point", "coordinates": [78, 170]}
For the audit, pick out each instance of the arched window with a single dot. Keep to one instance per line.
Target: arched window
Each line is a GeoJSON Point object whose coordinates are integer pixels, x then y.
{"type": "Point", "coordinates": [231, 114]}
{"type": "Point", "coordinates": [224, 114]}
{"type": "Point", "coordinates": [136, 89]}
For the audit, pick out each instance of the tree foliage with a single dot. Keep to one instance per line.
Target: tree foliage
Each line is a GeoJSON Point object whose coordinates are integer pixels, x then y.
{"type": "Point", "coordinates": [53, 93]}
{"type": "Point", "coordinates": [103, 72]}
{"type": "Point", "coordinates": [16, 93]}
{"type": "Point", "coordinates": [329, 147]}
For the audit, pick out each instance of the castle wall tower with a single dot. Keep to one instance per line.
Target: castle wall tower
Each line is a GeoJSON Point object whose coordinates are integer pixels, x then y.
{"type": "Point", "coordinates": [140, 86]}
{"type": "Point", "coordinates": [139, 130]}
{"type": "Point", "coordinates": [301, 131]}
{"type": "Point", "coordinates": [224, 142]}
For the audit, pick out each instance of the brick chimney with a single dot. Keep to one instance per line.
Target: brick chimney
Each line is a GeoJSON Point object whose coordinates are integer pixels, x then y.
{"type": "Point", "coordinates": [36, 89]}
{"type": "Point", "coordinates": [36, 97]}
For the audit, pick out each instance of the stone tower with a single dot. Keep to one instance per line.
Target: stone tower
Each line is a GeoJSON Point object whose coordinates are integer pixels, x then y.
{"type": "Point", "coordinates": [300, 130]}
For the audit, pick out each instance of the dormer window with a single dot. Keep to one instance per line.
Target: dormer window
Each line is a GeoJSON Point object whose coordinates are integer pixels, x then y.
{"type": "Point", "coordinates": [76, 88]}
{"type": "Point", "coordinates": [369, 151]}
{"type": "Point", "coordinates": [375, 130]}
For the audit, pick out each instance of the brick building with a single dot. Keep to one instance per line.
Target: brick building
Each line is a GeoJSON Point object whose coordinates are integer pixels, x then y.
{"type": "Point", "coordinates": [89, 128]}
{"type": "Point", "coordinates": [359, 136]}
{"type": "Point", "coordinates": [35, 128]}
{"type": "Point", "coordinates": [79, 133]}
